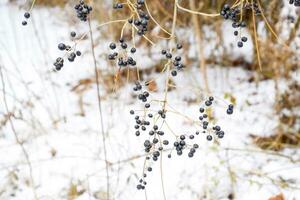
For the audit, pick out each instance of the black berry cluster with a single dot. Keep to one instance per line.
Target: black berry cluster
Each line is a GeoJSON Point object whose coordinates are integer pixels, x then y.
{"type": "Point", "coordinates": [234, 14]}
{"type": "Point", "coordinates": [143, 95]}
{"type": "Point", "coordinates": [142, 22]}
{"type": "Point", "coordinates": [205, 121]}
{"type": "Point", "coordinates": [122, 59]}
{"type": "Point", "coordinates": [83, 10]}
{"type": "Point", "coordinates": [141, 124]}
{"type": "Point", "coordinates": [155, 143]}
{"type": "Point", "coordinates": [70, 52]}
{"type": "Point", "coordinates": [295, 2]}
{"type": "Point", "coordinates": [176, 62]}
{"type": "Point", "coordinates": [230, 109]}
{"type": "Point", "coordinates": [254, 6]}
{"type": "Point", "coordinates": [142, 19]}
{"type": "Point", "coordinates": [26, 16]}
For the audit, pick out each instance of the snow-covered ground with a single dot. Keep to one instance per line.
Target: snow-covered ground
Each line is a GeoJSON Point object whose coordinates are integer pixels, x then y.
{"type": "Point", "coordinates": [65, 148]}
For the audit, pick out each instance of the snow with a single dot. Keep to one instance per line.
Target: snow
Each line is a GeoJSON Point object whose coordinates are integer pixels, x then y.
{"type": "Point", "coordinates": [65, 148]}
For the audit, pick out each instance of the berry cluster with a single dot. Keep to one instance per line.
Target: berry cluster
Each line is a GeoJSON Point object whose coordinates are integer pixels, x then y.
{"type": "Point", "coordinates": [234, 14]}
{"type": "Point", "coordinates": [83, 10]}
{"type": "Point", "coordinates": [155, 143]}
{"type": "Point", "coordinates": [142, 19]}
{"type": "Point", "coordinates": [142, 96]}
{"type": "Point", "coordinates": [123, 59]}
{"type": "Point", "coordinates": [205, 121]}
{"type": "Point", "coordinates": [254, 7]}
{"type": "Point", "coordinates": [295, 2]}
{"type": "Point", "coordinates": [230, 109]}
{"type": "Point", "coordinates": [26, 16]}
{"type": "Point", "coordinates": [71, 53]}
{"type": "Point", "coordinates": [142, 22]}
{"type": "Point", "coordinates": [176, 62]}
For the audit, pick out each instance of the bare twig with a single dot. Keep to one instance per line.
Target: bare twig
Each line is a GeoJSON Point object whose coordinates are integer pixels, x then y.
{"type": "Point", "coordinates": [20, 143]}
{"type": "Point", "coordinates": [100, 109]}
{"type": "Point", "coordinates": [200, 47]}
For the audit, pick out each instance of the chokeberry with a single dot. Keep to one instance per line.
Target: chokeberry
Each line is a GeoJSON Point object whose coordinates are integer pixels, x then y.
{"type": "Point", "coordinates": [208, 103]}
{"type": "Point", "coordinates": [73, 34]}
{"type": "Point", "coordinates": [179, 46]}
{"type": "Point", "coordinates": [61, 46]}
{"type": "Point", "coordinates": [229, 111]}
{"type": "Point", "coordinates": [240, 44]}
{"type": "Point", "coordinates": [209, 137]}
{"type": "Point", "coordinates": [244, 39]}
{"type": "Point", "coordinates": [124, 45]}
{"type": "Point", "coordinates": [112, 46]}
{"type": "Point", "coordinates": [174, 73]}
{"type": "Point", "coordinates": [78, 53]}
{"type": "Point", "coordinates": [133, 50]}
{"type": "Point", "coordinates": [27, 15]}
{"type": "Point", "coordinates": [169, 55]}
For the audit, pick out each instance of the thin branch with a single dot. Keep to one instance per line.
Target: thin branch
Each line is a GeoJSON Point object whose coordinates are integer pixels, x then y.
{"type": "Point", "coordinates": [100, 109]}
{"type": "Point", "coordinates": [268, 24]}
{"type": "Point", "coordinates": [255, 37]}
{"type": "Point", "coordinates": [200, 45]}
{"type": "Point", "coordinates": [196, 12]}
{"type": "Point", "coordinates": [20, 143]}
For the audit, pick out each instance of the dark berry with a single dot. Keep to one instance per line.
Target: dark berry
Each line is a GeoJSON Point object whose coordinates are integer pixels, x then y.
{"type": "Point", "coordinates": [209, 137]}
{"type": "Point", "coordinates": [124, 45]}
{"type": "Point", "coordinates": [240, 44]}
{"type": "Point", "coordinates": [244, 39]}
{"type": "Point", "coordinates": [133, 50]}
{"type": "Point", "coordinates": [178, 46]}
{"type": "Point", "coordinates": [229, 111]}
{"type": "Point", "coordinates": [174, 73]}
{"type": "Point", "coordinates": [73, 34]}
{"type": "Point", "coordinates": [61, 46]}
{"type": "Point", "coordinates": [78, 53]}
{"type": "Point", "coordinates": [112, 46]}
{"type": "Point", "coordinates": [26, 15]}
{"type": "Point", "coordinates": [208, 103]}
{"type": "Point", "coordinates": [169, 55]}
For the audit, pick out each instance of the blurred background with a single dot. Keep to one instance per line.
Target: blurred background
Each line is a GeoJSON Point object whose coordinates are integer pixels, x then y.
{"type": "Point", "coordinates": [51, 138]}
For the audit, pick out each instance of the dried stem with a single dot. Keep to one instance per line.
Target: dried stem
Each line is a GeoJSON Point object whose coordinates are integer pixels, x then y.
{"type": "Point", "coordinates": [100, 110]}
{"type": "Point", "coordinates": [200, 45]}
{"type": "Point", "coordinates": [20, 143]}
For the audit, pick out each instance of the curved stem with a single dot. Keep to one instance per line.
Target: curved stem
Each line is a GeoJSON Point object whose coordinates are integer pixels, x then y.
{"type": "Point", "coordinates": [196, 12]}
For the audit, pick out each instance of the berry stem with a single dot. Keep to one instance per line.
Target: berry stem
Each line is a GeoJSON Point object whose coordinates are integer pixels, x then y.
{"type": "Point", "coordinates": [255, 37]}
{"type": "Point", "coordinates": [169, 62]}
